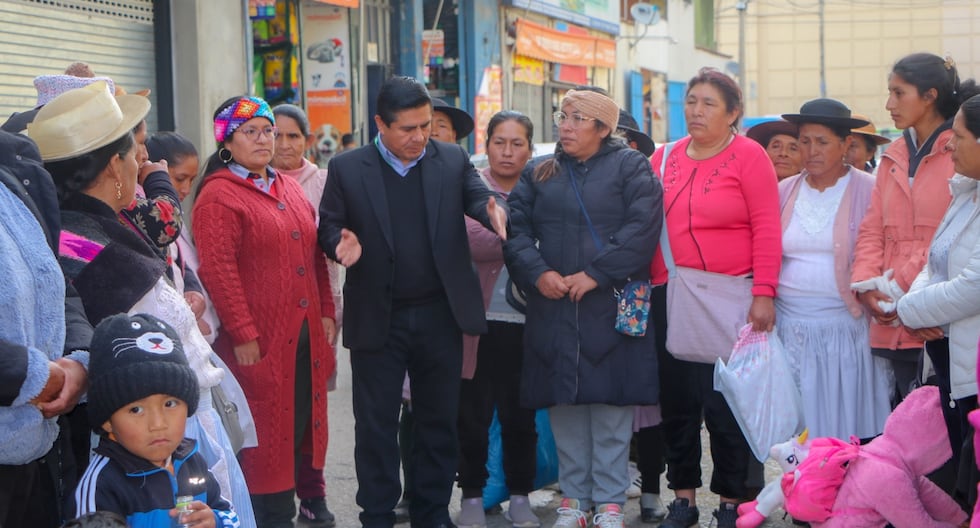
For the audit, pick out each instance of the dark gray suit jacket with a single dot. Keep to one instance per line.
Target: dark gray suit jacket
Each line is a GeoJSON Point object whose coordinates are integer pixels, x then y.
{"type": "Point", "coordinates": [355, 198]}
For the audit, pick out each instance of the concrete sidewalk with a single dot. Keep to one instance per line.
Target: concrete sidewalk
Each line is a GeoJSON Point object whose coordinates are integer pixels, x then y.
{"type": "Point", "coordinates": [342, 482]}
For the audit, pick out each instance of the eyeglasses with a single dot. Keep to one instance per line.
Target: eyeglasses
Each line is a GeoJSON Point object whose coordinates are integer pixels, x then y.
{"type": "Point", "coordinates": [577, 120]}
{"type": "Point", "coordinates": [253, 133]}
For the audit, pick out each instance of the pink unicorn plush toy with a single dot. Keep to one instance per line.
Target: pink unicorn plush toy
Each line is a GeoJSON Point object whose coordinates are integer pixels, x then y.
{"type": "Point", "coordinates": [789, 455]}
{"type": "Point", "coordinates": [886, 483]}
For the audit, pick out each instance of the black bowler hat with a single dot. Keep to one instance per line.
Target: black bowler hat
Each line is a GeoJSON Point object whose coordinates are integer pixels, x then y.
{"type": "Point", "coordinates": [763, 132]}
{"type": "Point", "coordinates": [462, 122]}
{"type": "Point", "coordinates": [829, 112]}
{"type": "Point", "coordinates": [632, 130]}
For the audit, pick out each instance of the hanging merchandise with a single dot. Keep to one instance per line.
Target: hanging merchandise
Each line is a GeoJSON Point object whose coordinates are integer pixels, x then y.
{"type": "Point", "coordinates": [275, 41]}
{"type": "Point", "coordinates": [261, 9]}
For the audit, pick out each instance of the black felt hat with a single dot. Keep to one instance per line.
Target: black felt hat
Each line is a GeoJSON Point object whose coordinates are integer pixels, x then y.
{"type": "Point", "coordinates": [462, 122]}
{"type": "Point", "coordinates": [824, 111]}
{"type": "Point", "coordinates": [632, 130]}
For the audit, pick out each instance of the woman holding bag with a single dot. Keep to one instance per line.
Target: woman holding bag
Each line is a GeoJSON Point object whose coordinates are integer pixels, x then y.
{"type": "Point", "coordinates": [722, 221]}
{"type": "Point", "coordinates": [822, 324]}
{"type": "Point", "coordinates": [581, 228]}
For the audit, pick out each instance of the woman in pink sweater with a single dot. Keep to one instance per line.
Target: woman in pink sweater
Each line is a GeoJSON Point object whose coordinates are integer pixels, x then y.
{"type": "Point", "coordinates": [722, 212]}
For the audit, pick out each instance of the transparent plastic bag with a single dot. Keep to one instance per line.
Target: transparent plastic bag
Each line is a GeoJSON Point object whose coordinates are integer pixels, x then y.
{"type": "Point", "coordinates": [760, 390]}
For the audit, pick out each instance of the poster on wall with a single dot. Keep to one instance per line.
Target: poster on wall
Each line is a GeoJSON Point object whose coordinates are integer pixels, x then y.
{"type": "Point", "coordinates": [602, 15]}
{"type": "Point", "coordinates": [326, 74]}
{"type": "Point", "coordinates": [488, 101]}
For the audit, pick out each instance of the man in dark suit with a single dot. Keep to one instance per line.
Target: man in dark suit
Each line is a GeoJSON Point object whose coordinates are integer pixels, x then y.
{"type": "Point", "coordinates": [392, 212]}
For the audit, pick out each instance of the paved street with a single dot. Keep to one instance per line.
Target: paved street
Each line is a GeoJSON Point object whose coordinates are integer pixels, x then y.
{"type": "Point", "coordinates": [342, 483]}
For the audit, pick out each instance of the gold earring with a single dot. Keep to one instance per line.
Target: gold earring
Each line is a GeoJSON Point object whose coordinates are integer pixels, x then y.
{"type": "Point", "coordinates": [118, 190]}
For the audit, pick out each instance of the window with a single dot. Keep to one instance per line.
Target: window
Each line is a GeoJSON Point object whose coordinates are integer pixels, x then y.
{"type": "Point", "coordinates": [704, 24]}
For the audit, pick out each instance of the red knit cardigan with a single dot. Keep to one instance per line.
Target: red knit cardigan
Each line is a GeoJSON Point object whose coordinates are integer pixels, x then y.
{"type": "Point", "coordinates": [261, 264]}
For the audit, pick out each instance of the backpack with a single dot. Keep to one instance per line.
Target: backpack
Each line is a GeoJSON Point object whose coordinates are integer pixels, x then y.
{"type": "Point", "coordinates": [811, 490]}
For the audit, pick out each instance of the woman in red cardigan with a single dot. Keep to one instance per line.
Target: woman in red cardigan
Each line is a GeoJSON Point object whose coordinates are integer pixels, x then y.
{"type": "Point", "coordinates": [256, 236]}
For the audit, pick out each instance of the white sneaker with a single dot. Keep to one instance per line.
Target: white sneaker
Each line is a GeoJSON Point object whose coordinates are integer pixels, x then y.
{"type": "Point", "coordinates": [570, 516]}
{"type": "Point", "coordinates": [636, 481]}
{"type": "Point", "coordinates": [609, 516]}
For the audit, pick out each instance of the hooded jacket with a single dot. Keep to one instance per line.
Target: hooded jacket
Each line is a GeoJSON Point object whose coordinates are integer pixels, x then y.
{"type": "Point", "coordinates": [887, 483]}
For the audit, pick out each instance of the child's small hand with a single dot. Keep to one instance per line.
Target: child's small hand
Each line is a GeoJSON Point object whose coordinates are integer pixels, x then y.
{"type": "Point", "coordinates": [200, 516]}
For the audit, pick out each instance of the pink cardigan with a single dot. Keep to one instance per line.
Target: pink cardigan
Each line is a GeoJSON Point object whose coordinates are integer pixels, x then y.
{"type": "Point", "coordinates": [853, 205]}
{"type": "Point", "coordinates": [899, 224]}
{"type": "Point", "coordinates": [730, 224]}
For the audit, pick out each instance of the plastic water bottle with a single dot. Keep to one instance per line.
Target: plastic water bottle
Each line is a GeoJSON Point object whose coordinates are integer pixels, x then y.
{"type": "Point", "coordinates": [183, 507]}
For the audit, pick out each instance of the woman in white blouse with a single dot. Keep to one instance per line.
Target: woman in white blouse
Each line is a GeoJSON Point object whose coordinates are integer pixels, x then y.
{"type": "Point", "coordinates": [821, 323]}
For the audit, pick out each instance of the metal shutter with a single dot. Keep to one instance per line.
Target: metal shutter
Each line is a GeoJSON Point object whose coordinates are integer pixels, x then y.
{"type": "Point", "coordinates": [42, 37]}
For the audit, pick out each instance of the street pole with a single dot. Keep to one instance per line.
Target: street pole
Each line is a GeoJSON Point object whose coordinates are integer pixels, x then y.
{"type": "Point", "coordinates": [741, 5]}
{"type": "Point", "coordinates": [823, 69]}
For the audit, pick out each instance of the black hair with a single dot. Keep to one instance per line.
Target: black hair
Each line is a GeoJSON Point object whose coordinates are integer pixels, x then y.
{"type": "Point", "coordinates": [870, 143]}
{"type": "Point", "coordinates": [926, 71]}
{"type": "Point", "coordinates": [214, 161]}
{"type": "Point", "coordinates": [98, 519]}
{"type": "Point", "coordinates": [296, 114]}
{"type": "Point", "coordinates": [74, 175]}
{"type": "Point", "coordinates": [347, 139]}
{"type": "Point", "coordinates": [170, 146]}
{"type": "Point", "coordinates": [511, 115]}
{"type": "Point", "coordinates": [971, 115]}
{"type": "Point", "coordinates": [400, 93]}
{"type": "Point", "coordinates": [729, 90]}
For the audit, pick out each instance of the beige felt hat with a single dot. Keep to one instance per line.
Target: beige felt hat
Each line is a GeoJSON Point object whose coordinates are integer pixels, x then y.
{"type": "Point", "coordinates": [82, 120]}
{"type": "Point", "coordinates": [869, 130]}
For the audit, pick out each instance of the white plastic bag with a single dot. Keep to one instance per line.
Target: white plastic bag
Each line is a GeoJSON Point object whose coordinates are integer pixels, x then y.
{"type": "Point", "coordinates": [759, 388]}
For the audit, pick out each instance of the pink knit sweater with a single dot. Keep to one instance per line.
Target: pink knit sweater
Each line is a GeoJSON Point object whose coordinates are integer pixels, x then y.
{"type": "Point", "coordinates": [722, 213]}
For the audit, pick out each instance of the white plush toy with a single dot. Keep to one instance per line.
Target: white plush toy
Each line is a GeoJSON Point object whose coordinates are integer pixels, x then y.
{"type": "Point", "coordinates": [788, 454]}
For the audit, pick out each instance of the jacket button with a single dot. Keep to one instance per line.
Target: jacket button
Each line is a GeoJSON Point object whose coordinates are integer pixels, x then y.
{"type": "Point", "coordinates": [301, 271]}
{"type": "Point", "coordinates": [303, 303]}
{"type": "Point", "coordinates": [295, 235]}
{"type": "Point", "coordinates": [281, 206]}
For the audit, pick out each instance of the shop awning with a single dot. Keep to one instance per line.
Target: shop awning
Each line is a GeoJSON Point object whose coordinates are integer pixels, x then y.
{"type": "Point", "coordinates": [545, 43]}
{"type": "Point", "coordinates": [341, 3]}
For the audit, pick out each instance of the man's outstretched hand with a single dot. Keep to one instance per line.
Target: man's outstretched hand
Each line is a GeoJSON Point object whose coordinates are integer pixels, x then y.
{"type": "Point", "coordinates": [498, 218]}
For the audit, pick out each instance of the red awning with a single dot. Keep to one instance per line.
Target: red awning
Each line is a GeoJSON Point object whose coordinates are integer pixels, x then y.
{"type": "Point", "coordinates": [545, 43]}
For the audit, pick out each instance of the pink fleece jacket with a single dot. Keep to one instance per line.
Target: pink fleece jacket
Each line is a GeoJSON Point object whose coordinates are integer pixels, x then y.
{"type": "Point", "coordinates": [887, 483]}
{"type": "Point", "coordinates": [722, 213]}
{"type": "Point", "coordinates": [898, 227]}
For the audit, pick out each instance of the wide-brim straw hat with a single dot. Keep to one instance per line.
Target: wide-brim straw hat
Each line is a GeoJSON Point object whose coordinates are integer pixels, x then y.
{"type": "Point", "coordinates": [764, 132]}
{"type": "Point", "coordinates": [829, 112]}
{"type": "Point", "coordinates": [462, 122]}
{"type": "Point", "coordinates": [85, 119]}
{"type": "Point", "coordinates": [869, 130]}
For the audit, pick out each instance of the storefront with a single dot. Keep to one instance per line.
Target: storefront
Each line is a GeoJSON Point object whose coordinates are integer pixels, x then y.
{"type": "Point", "coordinates": [550, 49]}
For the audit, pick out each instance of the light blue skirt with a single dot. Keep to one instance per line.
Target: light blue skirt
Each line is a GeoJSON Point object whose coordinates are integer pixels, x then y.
{"type": "Point", "coordinates": [846, 391]}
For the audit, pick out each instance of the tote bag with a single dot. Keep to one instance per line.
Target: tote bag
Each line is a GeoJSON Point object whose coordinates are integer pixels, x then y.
{"type": "Point", "coordinates": [705, 311]}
